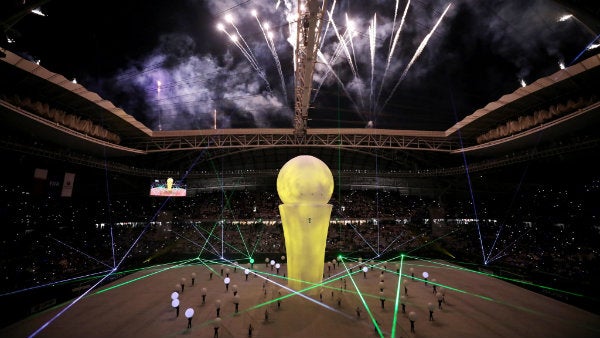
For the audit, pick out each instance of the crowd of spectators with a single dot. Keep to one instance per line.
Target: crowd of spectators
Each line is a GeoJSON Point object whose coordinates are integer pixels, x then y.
{"type": "Point", "coordinates": [550, 232]}
{"type": "Point", "coordinates": [72, 121]}
{"type": "Point", "coordinates": [536, 118]}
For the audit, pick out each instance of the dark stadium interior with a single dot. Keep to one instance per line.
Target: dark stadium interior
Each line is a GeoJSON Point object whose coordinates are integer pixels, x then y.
{"type": "Point", "coordinates": [518, 176]}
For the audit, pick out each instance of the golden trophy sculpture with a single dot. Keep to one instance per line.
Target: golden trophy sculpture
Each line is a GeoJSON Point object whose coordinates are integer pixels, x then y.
{"type": "Point", "coordinates": [305, 186]}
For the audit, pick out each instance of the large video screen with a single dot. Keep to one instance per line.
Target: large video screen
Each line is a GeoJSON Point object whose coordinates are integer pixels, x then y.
{"type": "Point", "coordinates": [167, 187]}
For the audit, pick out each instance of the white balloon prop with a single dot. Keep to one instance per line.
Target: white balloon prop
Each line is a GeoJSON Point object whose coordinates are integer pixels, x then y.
{"type": "Point", "coordinates": [174, 295]}
{"type": "Point", "coordinates": [175, 303]}
{"type": "Point", "coordinates": [189, 313]}
{"type": "Point", "coordinates": [425, 274]}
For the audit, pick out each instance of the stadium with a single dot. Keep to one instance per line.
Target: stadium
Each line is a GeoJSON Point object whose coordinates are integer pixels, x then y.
{"type": "Point", "coordinates": [108, 210]}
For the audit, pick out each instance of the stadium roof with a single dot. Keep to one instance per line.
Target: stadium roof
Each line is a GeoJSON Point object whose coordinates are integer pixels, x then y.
{"type": "Point", "coordinates": [268, 149]}
{"type": "Point", "coordinates": [431, 148]}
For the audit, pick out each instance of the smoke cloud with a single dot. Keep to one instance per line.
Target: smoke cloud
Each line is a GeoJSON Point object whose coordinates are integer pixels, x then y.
{"type": "Point", "coordinates": [478, 52]}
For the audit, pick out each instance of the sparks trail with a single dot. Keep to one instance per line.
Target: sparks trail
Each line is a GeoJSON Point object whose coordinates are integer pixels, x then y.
{"type": "Point", "coordinates": [332, 60]}
{"type": "Point", "coordinates": [416, 56]}
{"type": "Point", "coordinates": [372, 49]}
{"type": "Point", "coordinates": [229, 19]}
{"type": "Point", "coordinates": [322, 57]}
{"type": "Point", "coordinates": [327, 27]}
{"type": "Point", "coordinates": [350, 31]}
{"type": "Point", "coordinates": [246, 52]}
{"type": "Point", "coordinates": [271, 45]}
{"type": "Point", "coordinates": [393, 44]}
{"type": "Point", "coordinates": [394, 21]}
{"type": "Point", "coordinates": [342, 47]}
{"type": "Point", "coordinates": [342, 41]}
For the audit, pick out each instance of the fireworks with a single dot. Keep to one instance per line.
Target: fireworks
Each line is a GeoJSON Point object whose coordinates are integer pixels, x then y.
{"type": "Point", "coordinates": [337, 42]}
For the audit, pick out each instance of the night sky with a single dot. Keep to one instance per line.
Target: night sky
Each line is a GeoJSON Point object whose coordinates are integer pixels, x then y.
{"type": "Point", "coordinates": [449, 58]}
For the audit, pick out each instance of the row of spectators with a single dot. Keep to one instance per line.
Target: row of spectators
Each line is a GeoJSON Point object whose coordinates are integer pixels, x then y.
{"type": "Point", "coordinates": [73, 121]}
{"type": "Point", "coordinates": [537, 118]}
{"type": "Point", "coordinates": [88, 127]}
